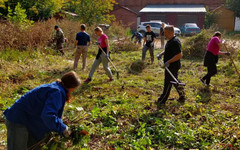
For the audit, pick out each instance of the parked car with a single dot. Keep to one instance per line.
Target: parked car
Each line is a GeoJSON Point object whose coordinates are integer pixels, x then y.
{"type": "Point", "coordinates": [156, 25]}
{"type": "Point", "coordinates": [190, 29]}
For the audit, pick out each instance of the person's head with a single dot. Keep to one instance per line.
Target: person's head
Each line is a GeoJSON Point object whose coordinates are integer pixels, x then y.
{"type": "Point", "coordinates": [56, 27]}
{"type": "Point", "coordinates": [217, 34]}
{"type": "Point", "coordinates": [149, 29]}
{"type": "Point", "coordinates": [83, 27]}
{"type": "Point", "coordinates": [70, 81]}
{"type": "Point", "coordinates": [169, 31]}
{"type": "Point", "coordinates": [98, 31]}
{"type": "Point", "coordinates": [163, 25]}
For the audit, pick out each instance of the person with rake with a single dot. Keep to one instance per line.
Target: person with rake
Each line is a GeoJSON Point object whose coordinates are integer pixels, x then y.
{"type": "Point", "coordinates": [102, 56]}
{"type": "Point", "coordinates": [211, 57]}
{"type": "Point", "coordinates": [39, 112]}
{"type": "Point", "coordinates": [172, 64]}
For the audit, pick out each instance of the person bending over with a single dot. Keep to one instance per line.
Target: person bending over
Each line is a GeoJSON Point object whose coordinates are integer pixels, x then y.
{"type": "Point", "coordinates": [39, 112]}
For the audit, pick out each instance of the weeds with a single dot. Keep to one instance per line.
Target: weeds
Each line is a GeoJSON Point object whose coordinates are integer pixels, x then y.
{"type": "Point", "coordinates": [122, 114]}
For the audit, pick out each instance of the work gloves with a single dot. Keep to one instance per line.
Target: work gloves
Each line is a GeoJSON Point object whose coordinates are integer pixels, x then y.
{"type": "Point", "coordinates": [167, 64]}
{"type": "Point", "coordinates": [159, 56]}
{"type": "Point", "coordinates": [227, 53]}
{"type": "Point", "coordinates": [66, 132]}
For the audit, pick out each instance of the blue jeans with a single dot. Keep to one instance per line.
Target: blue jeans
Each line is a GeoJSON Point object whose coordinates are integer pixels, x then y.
{"type": "Point", "coordinates": [18, 137]}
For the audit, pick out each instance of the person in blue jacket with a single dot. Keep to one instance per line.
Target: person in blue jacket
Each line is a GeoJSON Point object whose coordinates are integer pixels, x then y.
{"type": "Point", "coordinates": [138, 37]}
{"type": "Point", "coordinates": [39, 112]}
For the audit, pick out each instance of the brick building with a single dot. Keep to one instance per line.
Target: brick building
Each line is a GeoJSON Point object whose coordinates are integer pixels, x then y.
{"type": "Point", "coordinates": [129, 11]}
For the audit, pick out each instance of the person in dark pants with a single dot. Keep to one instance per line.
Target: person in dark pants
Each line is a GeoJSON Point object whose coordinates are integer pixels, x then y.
{"type": "Point", "coordinates": [211, 57]}
{"type": "Point", "coordinates": [59, 38]}
{"type": "Point", "coordinates": [148, 43]}
{"type": "Point", "coordinates": [172, 56]}
{"type": "Point", "coordinates": [39, 112]}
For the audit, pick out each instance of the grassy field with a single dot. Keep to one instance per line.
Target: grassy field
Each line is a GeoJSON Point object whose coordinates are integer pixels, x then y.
{"type": "Point", "coordinates": [122, 114]}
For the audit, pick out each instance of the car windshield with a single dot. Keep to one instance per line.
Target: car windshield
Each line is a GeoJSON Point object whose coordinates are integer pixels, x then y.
{"type": "Point", "coordinates": [190, 25]}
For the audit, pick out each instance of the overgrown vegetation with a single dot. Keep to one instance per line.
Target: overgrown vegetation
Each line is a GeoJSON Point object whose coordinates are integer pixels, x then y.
{"type": "Point", "coordinates": [122, 114]}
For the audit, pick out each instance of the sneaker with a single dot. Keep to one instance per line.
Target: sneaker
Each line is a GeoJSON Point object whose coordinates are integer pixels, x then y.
{"type": "Point", "coordinates": [203, 82]}
{"type": "Point", "coordinates": [181, 99]}
{"type": "Point", "coordinates": [110, 80]}
{"type": "Point", "coordinates": [87, 80]}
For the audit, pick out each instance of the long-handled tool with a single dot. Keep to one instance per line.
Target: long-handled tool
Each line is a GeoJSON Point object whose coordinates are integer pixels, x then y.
{"type": "Point", "coordinates": [232, 60]}
{"type": "Point", "coordinates": [176, 82]}
{"type": "Point", "coordinates": [109, 60]}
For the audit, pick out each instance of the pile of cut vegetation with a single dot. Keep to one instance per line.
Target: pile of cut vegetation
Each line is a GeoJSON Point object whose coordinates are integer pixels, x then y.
{"type": "Point", "coordinates": [137, 67]}
{"type": "Point", "coordinates": [124, 44]}
{"type": "Point", "coordinates": [195, 46]}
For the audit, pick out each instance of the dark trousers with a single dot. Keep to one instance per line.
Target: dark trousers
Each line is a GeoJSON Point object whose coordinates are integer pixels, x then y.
{"type": "Point", "coordinates": [168, 86]}
{"type": "Point", "coordinates": [18, 137]}
{"type": "Point", "coordinates": [212, 70]}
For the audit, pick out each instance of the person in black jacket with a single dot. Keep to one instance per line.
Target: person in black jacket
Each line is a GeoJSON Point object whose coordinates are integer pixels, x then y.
{"type": "Point", "coordinates": [172, 56]}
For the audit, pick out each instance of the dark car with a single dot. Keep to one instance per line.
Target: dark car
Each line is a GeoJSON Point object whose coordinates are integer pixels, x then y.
{"type": "Point", "coordinates": [190, 29]}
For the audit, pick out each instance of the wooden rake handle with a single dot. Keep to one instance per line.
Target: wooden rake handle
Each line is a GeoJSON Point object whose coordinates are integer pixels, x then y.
{"type": "Point", "coordinates": [232, 60]}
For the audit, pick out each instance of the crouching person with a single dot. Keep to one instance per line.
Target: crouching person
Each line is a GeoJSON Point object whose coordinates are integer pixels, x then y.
{"type": "Point", "coordinates": [39, 112]}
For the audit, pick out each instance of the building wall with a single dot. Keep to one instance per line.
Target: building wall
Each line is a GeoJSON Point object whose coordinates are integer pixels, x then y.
{"type": "Point", "coordinates": [172, 18]}
{"type": "Point", "coordinates": [126, 17]}
{"type": "Point", "coordinates": [225, 19]}
{"type": "Point", "coordinates": [137, 5]}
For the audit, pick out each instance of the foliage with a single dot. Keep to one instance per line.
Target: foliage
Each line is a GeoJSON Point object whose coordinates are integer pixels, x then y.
{"type": "Point", "coordinates": [234, 5]}
{"type": "Point", "coordinates": [91, 11]}
{"type": "Point", "coordinates": [36, 10]}
{"type": "Point", "coordinates": [19, 16]}
{"type": "Point", "coordinates": [122, 114]}
{"type": "Point", "coordinates": [210, 18]}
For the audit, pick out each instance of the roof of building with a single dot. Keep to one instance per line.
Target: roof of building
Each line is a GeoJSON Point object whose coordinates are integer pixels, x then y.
{"type": "Point", "coordinates": [173, 8]}
{"type": "Point", "coordinates": [126, 8]}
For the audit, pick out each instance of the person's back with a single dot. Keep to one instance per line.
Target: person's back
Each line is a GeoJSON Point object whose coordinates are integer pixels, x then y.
{"type": "Point", "coordinates": [82, 42]}
{"type": "Point", "coordinates": [30, 110]}
{"type": "Point", "coordinates": [83, 38]}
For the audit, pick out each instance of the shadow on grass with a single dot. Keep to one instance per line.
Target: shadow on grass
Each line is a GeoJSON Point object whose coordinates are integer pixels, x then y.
{"type": "Point", "coordinates": [204, 95]}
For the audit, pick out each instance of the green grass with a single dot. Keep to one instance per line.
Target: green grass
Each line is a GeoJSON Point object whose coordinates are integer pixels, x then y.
{"type": "Point", "coordinates": [122, 114]}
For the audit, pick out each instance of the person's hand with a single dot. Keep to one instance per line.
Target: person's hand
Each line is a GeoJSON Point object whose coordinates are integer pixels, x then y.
{"type": "Point", "coordinates": [97, 43]}
{"type": "Point", "coordinates": [159, 56]}
{"type": "Point", "coordinates": [152, 44]}
{"type": "Point", "coordinates": [223, 41]}
{"type": "Point", "coordinates": [167, 64]}
{"type": "Point", "coordinates": [67, 132]}
{"type": "Point", "coordinates": [227, 53]}
{"type": "Point", "coordinates": [143, 44]}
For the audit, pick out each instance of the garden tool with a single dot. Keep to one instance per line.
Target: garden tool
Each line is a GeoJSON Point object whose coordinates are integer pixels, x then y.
{"type": "Point", "coordinates": [175, 82]}
{"type": "Point", "coordinates": [232, 60]}
{"type": "Point", "coordinates": [108, 59]}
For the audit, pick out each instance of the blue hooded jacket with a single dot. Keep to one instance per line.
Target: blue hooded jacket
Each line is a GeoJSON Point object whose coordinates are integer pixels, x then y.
{"type": "Point", "coordinates": [40, 110]}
